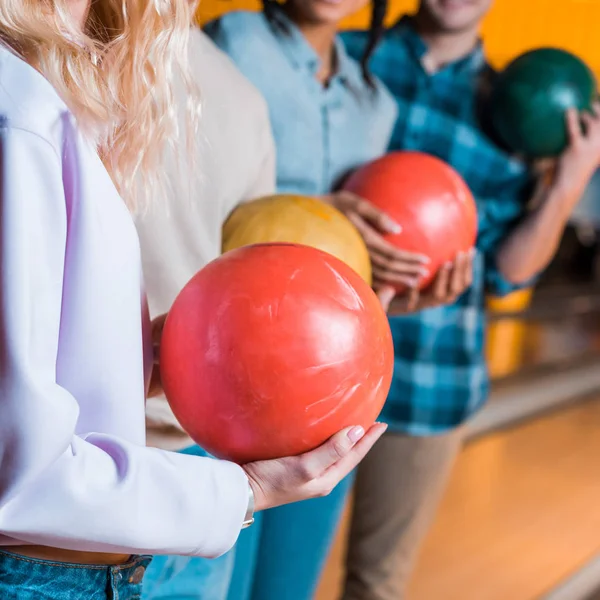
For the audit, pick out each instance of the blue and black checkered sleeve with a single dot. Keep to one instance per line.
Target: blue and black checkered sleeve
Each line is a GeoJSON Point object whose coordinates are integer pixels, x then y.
{"type": "Point", "coordinates": [501, 213]}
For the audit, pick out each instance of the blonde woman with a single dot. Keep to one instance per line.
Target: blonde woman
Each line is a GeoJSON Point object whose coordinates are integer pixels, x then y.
{"type": "Point", "coordinates": [84, 97]}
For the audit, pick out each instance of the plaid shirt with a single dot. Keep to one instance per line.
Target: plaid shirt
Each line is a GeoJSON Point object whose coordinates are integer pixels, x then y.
{"type": "Point", "coordinates": [440, 374]}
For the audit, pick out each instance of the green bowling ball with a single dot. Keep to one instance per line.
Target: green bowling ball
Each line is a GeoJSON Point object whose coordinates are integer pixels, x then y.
{"type": "Point", "coordinates": [530, 98]}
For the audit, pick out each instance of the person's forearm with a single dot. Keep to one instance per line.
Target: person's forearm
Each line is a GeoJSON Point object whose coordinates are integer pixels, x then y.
{"type": "Point", "coordinates": [532, 245]}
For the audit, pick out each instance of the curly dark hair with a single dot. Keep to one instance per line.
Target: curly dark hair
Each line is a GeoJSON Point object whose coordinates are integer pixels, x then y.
{"type": "Point", "coordinates": [376, 30]}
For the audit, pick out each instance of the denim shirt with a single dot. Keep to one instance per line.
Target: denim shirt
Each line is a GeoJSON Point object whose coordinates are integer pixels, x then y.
{"type": "Point", "coordinates": [321, 132]}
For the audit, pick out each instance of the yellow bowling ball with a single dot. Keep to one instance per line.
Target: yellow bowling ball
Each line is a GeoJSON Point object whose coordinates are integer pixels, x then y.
{"type": "Point", "coordinates": [299, 220]}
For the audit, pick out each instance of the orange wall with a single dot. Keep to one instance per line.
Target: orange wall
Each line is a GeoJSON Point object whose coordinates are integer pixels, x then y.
{"type": "Point", "coordinates": [511, 27]}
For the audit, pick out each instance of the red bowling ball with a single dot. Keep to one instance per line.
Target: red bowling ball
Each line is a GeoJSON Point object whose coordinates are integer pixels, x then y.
{"type": "Point", "coordinates": [271, 349]}
{"type": "Point", "coordinates": [428, 198]}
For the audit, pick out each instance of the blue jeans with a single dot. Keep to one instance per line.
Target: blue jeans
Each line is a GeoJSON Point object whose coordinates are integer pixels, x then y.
{"type": "Point", "coordinates": [185, 577]}
{"type": "Point", "coordinates": [279, 558]}
{"type": "Point", "coordinates": [23, 578]}
{"type": "Point", "coordinates": [282, 555]}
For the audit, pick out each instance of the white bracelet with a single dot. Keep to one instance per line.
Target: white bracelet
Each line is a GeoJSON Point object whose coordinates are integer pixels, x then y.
{"type": "Point", "coordinates": [249, 517]}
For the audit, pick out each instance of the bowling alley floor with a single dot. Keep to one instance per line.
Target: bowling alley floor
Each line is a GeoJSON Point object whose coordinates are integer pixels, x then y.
{"type": "Point", "coordinates": [521, 517]}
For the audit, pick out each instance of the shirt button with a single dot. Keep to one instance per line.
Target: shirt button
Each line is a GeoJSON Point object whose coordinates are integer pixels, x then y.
{"type": "Point", "coordinates": [137, 576]}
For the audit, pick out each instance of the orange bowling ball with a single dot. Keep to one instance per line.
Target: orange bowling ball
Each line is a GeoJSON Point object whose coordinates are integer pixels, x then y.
{"type": "Point", "coordinates": [271, 349]}
{"type": "Point", "coordinates": [297, 220]}
{"type": "Point", "coordinates": [427, 198]}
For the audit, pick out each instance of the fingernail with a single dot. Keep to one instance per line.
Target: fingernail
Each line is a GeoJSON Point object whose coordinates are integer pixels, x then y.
{"type": "Point", "coordinates": [355, 434]}
{"type": "Point", "coordinates": [472, 252]}
{"type": "Point", "coordinates": [392, 226]}
{"type": "Point", "coordinates": [424, 272]}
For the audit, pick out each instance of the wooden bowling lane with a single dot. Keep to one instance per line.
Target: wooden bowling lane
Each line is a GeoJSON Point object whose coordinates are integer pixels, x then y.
{"type": "Point", "coordinates": [522, 513]}
{"type": "Point", "coordinates": [561, 325]}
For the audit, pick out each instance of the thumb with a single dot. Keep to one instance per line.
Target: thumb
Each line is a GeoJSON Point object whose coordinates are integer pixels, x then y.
{"type": "Point", "coordinates": [386, 294]}
{"type": "Point", "coordinates": [574, 128]}
{"type": "Point", "coordinates": [317, 461]}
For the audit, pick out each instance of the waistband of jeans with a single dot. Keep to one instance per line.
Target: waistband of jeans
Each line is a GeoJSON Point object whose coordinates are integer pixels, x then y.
{"type": "Point", "coordinates": [135, 562]}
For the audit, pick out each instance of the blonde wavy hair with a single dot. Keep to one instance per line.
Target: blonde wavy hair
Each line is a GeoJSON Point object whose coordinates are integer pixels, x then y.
{"type": "Point", "coordinates": [116, 76]}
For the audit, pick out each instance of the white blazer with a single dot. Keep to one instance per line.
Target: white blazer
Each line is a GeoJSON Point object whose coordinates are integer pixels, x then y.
{"type": "Point", "coordinates": [74, 469]}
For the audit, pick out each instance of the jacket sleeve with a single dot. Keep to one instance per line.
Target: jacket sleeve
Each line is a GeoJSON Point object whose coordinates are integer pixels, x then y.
{"type": "Point", "coordinates": [92, 492]}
